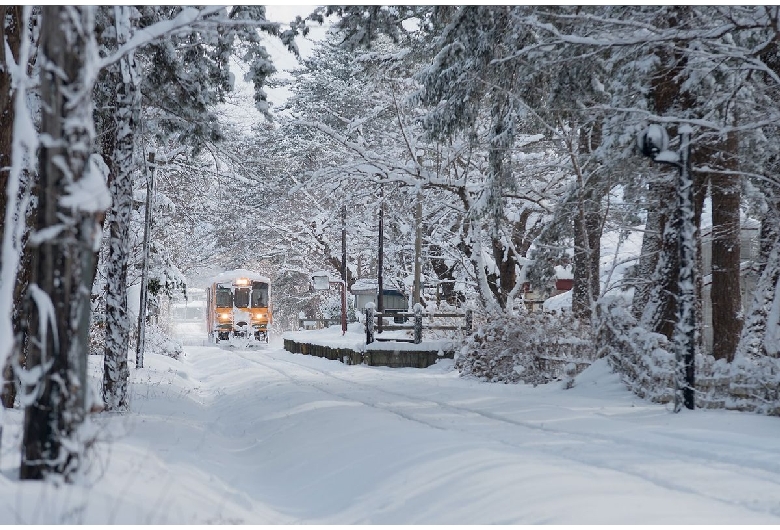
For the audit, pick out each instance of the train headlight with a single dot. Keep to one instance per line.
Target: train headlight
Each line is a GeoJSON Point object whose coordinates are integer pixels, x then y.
{"type": "Point", "coordinates": [224, 316]}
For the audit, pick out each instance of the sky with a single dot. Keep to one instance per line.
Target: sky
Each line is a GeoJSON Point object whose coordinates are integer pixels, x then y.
{"type": "Point", "coordinates": [263, 436]}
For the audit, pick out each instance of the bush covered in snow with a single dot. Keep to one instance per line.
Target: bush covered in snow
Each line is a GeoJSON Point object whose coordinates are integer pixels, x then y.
{"type": "Point", "coordinates": [533, 348]}
{"type": "Point", "coordinates": [642, 358]}
{"type": "Point", "coordinates": [646, 361]}
{"type": "Point", "coordinates": [160, 343]}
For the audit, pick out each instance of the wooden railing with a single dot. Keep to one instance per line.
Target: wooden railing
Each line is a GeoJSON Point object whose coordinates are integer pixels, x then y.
{"type": "Point", "coordinates": [318, 323]}
{"type": "Point", "coordinates": [417, 323]}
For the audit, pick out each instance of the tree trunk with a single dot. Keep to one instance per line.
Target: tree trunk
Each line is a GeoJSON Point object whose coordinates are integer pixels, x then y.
{"type": "Point", "coordinates": [753, 337]}
{"type": "Point", "coordinates": [506, 265]}
{"type": "Point", "coordinates": [64, 247]}
{"type": "Point", "coordinates": [725, 295]}
{"type": "Point", "coordinates": [659, 312]}
{"type": "Point", "coordinates": [10, 34]}
{"type": "Point", "coordinates": [587, 255]}
{"type": "Point", "coordinates": [118, 323]}
{"type": "Point", "coordinates": [587, 227]}
{"type": "Point", "coordinates": [651, 249]}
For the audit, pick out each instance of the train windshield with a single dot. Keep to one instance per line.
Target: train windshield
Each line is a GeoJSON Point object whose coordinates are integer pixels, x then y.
{"type": "Point", "coordinates": [259, 294]}
{"type": "Point", "coordinates": [224, 296]}
{"type": "Point", "coordinates": [241, 297]}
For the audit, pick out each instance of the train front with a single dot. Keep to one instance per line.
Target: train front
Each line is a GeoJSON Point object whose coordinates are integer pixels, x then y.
{"type": "Point", "coordinates": [242, 309]}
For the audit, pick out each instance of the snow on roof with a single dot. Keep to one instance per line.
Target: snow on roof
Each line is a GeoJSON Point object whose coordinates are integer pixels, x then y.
{"type": "Point", "coordinates": [364, 285]}
{"type": "Point", "coordinates": [564, 273]}
{"type": "Point", "coordinates": [561, 302]}
{"type": "Point", "coordinates": [239, 273]}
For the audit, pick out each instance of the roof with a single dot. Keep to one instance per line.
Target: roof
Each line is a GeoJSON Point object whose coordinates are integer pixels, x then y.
{"type": "Point", "coordinates": [229, 276]}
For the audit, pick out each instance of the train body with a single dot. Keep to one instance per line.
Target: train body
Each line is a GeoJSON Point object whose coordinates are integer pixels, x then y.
{"type": "Point", "coordinates": [238, 305]}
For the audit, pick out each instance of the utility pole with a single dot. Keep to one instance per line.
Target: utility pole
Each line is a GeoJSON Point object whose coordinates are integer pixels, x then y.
{"type": "Point", "coordinates": [418, 238]}
{"type": "Point", "coordinates": [380, 303]}
{"type": "Point", "coordinates": [344, 269]}
{"type": "Point", "coordinates": [141, 342]}
{"type": "Point", "coordinates": [344, 243]}
{"type": "Point", "coordinates": [417, 249]}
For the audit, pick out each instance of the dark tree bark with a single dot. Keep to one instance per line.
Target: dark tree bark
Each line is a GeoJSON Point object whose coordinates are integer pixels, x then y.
{"type": "Point", "coordinates": [63, 248]}
{"type": "Point", "coordinates": [10, 34]}
{"type": "Point", "coordinates": [587, 225]}
{"type": "Point", "coordinates": [727, 318]}
{"type": "Point", "coordinates": [651, 247]}
{"type": "Point", "coordinates": [659, 312]}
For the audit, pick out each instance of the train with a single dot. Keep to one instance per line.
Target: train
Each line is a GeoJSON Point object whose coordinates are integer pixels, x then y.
{"type": "Point", "coordinates": [238, 306]}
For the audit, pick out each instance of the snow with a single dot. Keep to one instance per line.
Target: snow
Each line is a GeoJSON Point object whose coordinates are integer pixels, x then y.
{"type": "Point", "coordinates": [772, 335]}
{"type": "Point", "coordinates": [355, 339]}
{"type": "Point", "coordinates": [667, 157]}
{"type": "Point", "coordinates": [89, 193]}
{"type": "Point", "coordinates": [263, 436]}
{"type": "Point", "coordinates": [229, 276]}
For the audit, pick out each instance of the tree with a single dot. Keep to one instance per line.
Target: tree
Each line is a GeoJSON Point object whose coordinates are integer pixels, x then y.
{"type": "Point", "coordinates": [118, 322]}
{"type": "Point", "coordinates": [72, 192]}
{"type": "Point", "coordinates": [186, 75]}
{"type": "Point", "coordinates": [10, 24]}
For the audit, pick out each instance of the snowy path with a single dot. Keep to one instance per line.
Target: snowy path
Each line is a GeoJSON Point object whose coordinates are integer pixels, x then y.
{"type": "Point", "coordinates": [265, 436]}
{"type": "Point", "coordinates": [334, 443]}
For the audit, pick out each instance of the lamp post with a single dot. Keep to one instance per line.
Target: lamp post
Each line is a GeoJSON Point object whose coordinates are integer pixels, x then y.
{"type": "Point", "coordinates": [322, 282]}
{"type": "Point", "coordinates": [653, 143]}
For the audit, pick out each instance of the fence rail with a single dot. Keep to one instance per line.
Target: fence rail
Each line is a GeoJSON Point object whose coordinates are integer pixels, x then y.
{"type": "Point", "coordinates": [417, 325]}
{"type": "Point", "coordinates": [318, 323]}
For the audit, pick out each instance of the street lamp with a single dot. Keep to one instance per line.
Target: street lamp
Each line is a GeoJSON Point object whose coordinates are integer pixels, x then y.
{"type": "Point", "coordinates": [653, 142]}
{"type": "Point", "coordinates": [322, 282]}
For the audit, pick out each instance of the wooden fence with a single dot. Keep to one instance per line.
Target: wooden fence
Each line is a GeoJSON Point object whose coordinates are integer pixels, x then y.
{"type": "Point", "coordinates": [417, 326]}
{"type": "Point", "coordinates": [318, 323]}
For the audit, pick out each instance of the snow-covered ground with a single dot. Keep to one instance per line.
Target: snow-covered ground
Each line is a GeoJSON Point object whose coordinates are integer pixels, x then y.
{"type": "Point", "coordinates": [265, 436]}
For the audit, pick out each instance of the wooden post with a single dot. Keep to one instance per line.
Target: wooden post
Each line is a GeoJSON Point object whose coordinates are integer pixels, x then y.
{"type": "Point", "coordinates": [418, 309]}
{"type": "Point", "coordinates": [369, 323]}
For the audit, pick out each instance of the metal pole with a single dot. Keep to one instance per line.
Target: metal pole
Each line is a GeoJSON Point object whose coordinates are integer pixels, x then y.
{"type": "Point", "coordinates": [685, 332]}
{"type": "Point", "coordinates": [141, 342]}
{"type": "Point", "coordinates": [418, 237]}
{"type": "Point", "coordinates": [344, 243]}
{"type": "Point", "coordinates": [380, 303]}
{"type": "Point", "coordinates": [417, 250]}
{"type": "Point", "coordinates": [343, 269]}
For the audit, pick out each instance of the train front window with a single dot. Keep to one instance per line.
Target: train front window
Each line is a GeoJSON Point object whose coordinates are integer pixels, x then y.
{"type": "Point", "coordinates": [259, 294]}
{"type": "Point", "coordinates": [224, 297]}
{"type": "Point", "coordinates": [242, 297]}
